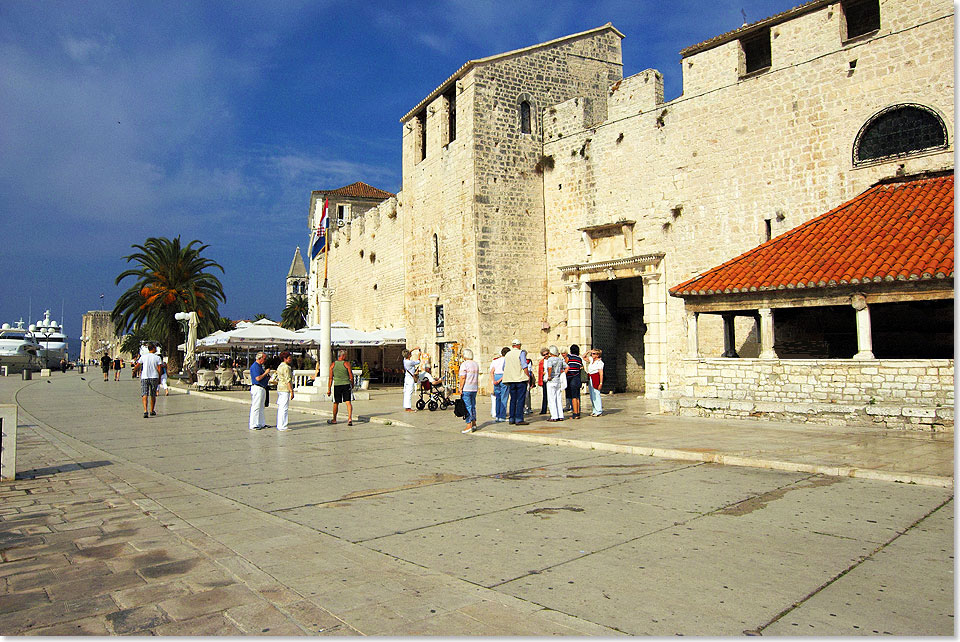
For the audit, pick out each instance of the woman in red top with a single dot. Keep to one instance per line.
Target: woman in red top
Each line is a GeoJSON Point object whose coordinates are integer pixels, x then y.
{"type": "Point", "coordinates": [540, 382]}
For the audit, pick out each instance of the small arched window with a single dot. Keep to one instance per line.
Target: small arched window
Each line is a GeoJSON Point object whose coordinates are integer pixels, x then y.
{"type": "Point", "coordinates": [525, 117]}
{"type": "Point", "coordinates": [899, 131]}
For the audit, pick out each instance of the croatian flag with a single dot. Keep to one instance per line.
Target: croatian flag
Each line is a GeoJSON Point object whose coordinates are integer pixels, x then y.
{"type": "Point", "coordinates": [320, 240]}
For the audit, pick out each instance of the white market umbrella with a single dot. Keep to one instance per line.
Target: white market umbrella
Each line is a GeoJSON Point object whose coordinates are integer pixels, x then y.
{"type": "Point", "coordinates": [340, 335]}
{"type": "Point", "coordinates": [262, 333]}
{"type": "Point", "coordinates": [395, 336]}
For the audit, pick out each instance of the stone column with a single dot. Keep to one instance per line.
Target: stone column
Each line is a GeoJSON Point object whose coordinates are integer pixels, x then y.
{"type": "Point", "coordinates": [693, 336]}
{"type": "Point", "coordinates": [323, 353]}
{"type": "Point", "coordinates": [730, 336]}
{"type": "Point", "coordinates": [766, 334]}
{"type": "Point", "coordinates": [864, 332]}
{"type": "Point", "coordinates": [578, 314]}
{"type": "Point", "coordinates": [8, 442]}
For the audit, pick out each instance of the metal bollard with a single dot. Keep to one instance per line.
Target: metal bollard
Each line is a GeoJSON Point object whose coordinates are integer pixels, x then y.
{"type": "Point", "coordinates": [27, 374]}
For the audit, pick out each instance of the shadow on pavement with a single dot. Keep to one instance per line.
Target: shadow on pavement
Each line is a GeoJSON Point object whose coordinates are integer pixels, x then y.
{"type": "Point", "coordinates": [33, 473]}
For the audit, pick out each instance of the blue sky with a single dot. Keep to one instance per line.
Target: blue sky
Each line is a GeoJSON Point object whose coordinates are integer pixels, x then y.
{"type": "Point", "coordinates": [215, 120]}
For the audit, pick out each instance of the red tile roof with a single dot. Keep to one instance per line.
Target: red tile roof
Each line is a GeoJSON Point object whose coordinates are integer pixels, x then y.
{"type": "Point", "coordinates": [360, 190]}
{"type": "Point", "coordinates": [899, 231]}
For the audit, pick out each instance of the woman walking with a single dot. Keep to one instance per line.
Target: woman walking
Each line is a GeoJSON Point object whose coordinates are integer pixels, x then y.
{"type": "Point", "coordinates": [595, 381]}
{"type": "Point", "coordinates": [553, 370]}
{"type": "Point", "coordinates": [467, 387]}
{"type": "Point", "coordinates": [409, 380]}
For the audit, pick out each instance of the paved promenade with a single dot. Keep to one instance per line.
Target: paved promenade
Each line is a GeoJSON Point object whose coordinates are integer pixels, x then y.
{"type": "Point", "coordinates": [189, 524]}
{"type": "Point", "coordinates": [634, 426]}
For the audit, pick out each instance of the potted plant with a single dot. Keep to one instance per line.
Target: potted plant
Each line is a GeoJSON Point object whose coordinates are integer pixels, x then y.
{"type": "Point", "coordinates": [365, 376]}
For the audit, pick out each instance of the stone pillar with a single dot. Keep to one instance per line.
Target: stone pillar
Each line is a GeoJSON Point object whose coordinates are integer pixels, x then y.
{"type": "Point", "coordinates": [693, 336]}
{"type": "Point", "coordinates": [323, 353]}
{"type": "Point", "coordinates": [730, 336]}
{"type": "Point", "coordinates": [864, 332]}
{"type": "Point", "coordinates": [8, 442]}
{"type": "Point", "coordinates": [578, 314]}
{"type": "Point", "coordinates": [655, 346]}
{"type": "Point", "coordinates": [766, 334]}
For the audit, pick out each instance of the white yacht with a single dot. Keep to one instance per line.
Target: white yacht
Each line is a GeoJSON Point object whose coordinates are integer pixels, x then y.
{"type": "Point", "coordinates": [52, 340]}
{"type": "Point", "coordinates": [19, 349]}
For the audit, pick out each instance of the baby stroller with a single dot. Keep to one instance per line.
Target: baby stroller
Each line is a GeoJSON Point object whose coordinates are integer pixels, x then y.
{"type": "Point", "coordinates": [432, 396]}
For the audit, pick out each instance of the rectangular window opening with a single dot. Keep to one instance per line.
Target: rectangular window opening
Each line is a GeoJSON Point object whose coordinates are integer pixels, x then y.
{"type": "Point", "coordinates": [422, 132]}
{"type": "Point", "coordinates": [768, 229]}
{"type": "Point", "coordinates": [756, 52]}
{"type": "Point", "coordinates": [451, 100]}
{"type": "Point", "coordinates": [861, 17]}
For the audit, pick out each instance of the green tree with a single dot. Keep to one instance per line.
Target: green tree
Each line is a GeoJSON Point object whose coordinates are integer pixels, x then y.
{"type": "Point", "coordinates": [259, 316]}
{"type": "Point", "coordinates": [131, 342]}
{"type": "Point", "coordinates": [170, 278]}
{"type": "Point", "coordinates": [294, 316]}
{"type": "Point", "coordinates": [224, 324]}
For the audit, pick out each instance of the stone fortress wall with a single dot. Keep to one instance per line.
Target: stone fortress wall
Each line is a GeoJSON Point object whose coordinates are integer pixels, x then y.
{"type": "Point", "coordinates": [365, 269]}
{"type": "Point", "coordinates": [702, 174]}
{"type": "Point", "coordinates": [482, 193]}
{"type": "Point", "coordinates": [616, 192]}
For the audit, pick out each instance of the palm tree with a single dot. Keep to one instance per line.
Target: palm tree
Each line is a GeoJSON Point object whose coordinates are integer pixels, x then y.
{"type": "Point", "coordinates": [131, 342]}
{"type": "Point", "coordinates": [259, 316]}
{"type": "Point", "coordinates": [294, 316]}
{"type": "Point", "coordinates": [170, 278]}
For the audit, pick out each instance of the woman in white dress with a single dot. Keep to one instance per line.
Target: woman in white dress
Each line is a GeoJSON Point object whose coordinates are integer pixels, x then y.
{"type": "Point", "coordinates": [554, 370]}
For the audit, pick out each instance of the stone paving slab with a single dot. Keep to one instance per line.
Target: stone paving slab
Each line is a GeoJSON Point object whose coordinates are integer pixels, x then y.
{"type": "Point", "coordinates": [170, 551]}
{"type": "Point", "coordinates": [633, 426]}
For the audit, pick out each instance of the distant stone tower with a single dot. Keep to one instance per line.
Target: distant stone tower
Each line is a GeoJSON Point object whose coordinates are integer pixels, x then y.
{"type": "Point", "coordinates": [297, 276]}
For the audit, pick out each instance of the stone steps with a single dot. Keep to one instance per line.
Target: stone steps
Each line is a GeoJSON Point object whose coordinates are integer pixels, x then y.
{"type": "Point", "coordinates": [936, 418]}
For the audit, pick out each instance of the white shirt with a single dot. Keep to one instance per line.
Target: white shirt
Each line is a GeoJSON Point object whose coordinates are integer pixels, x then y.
{"type": "Point", "coordinates": [595, 366]}
{"type": "Point", "coordinates": [149, 363]}
{"type": "Point", "coordinates": [496, 366]}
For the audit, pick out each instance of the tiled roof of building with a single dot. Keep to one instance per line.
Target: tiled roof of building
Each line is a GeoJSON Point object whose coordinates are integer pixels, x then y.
{"type": "Point", "coordinates": [360, 190]}
{"type": "Point", "coordinates": [766, 22]}
{"type": "Point", "coordinates": [297, 268]}
{"type": "Point", "coordinates": [472, 63]}
{"type": "Point", "coordinates": [896, 231]}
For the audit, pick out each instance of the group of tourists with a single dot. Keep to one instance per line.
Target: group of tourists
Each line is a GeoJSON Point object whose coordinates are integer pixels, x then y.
{"type": "Point", "coordinates": [559, 375]}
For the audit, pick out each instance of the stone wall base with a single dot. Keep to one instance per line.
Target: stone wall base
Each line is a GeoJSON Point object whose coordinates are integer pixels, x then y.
{"type": "Point", "coordinates": [935, 419]}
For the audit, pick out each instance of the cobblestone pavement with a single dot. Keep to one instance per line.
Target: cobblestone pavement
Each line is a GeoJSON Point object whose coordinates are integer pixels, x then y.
{"type": "Point", "coordinates": [189, 524]}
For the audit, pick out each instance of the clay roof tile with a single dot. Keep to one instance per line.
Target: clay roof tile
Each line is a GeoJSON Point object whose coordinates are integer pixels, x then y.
{"type": "Point", "coordinates": [891, 230]}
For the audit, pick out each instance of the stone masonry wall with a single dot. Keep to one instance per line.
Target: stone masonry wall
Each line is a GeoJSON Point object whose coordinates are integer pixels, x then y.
{"type": "Point", "coordinates": [366, 268]}
{"type": "Point", "coordinates": [896, 393]}
{"type": "Point", "coordinates": [438, 200]}
{"type": "Point", "coordinates": [509, 184]}
{"type": "Point", "coordinates": [702, 173]}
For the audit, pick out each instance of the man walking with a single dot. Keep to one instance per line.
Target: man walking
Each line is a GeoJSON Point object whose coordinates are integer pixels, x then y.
{"type": "Point", "coordinates": [105, 366]}
{"type": "Point", "coordinates": [259, 380]}
{"type": "Point", "coordinates": [150, 370]}
{"type": "Point", "coordinates": [284, 390]}
{"type": "Point", "coordinates": [341, 382]}
{"type": "Point", "coordinates": [516, 375]}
